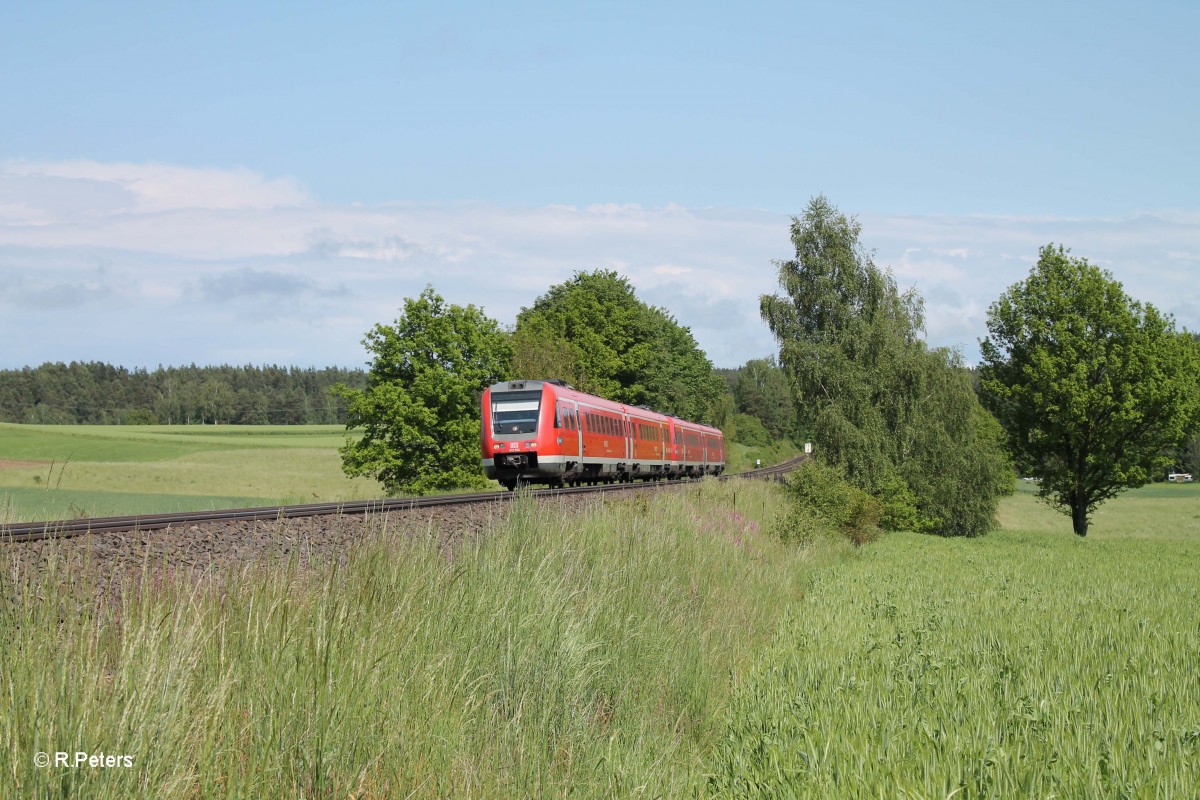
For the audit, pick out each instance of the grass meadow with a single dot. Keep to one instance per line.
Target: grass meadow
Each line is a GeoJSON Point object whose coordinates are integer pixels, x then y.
{"type": "Point", "coordinates": [62, 471]}
{"type": "Point", "coordinates": [565, 654]}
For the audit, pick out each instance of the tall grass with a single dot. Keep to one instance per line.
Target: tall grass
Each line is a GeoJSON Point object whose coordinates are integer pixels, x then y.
{"type": "Point", "coordinates": [563, 654]}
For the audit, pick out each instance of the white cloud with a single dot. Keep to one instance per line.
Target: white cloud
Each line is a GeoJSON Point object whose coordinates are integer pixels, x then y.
{"type": "Point", "coordinates": [212, 265]}
{"type": "Point", "coordinates": [152, 188]}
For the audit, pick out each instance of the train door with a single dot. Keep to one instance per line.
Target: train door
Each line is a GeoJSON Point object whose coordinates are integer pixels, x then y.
{"type": "Point", "coordinates": [577, 450]}
{"type": "Point", "coordinates": [570, 435]}
{"type": "Point", "coordinates": [627, 424]}
{"type": "Point", "coordinates": [671, 447]}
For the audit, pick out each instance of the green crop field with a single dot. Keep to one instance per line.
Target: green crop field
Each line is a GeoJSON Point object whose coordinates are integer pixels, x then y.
{"type": "Point", "coordinates": [1027, 663]}
{"type": "Point", "coordinates": [56, 471]}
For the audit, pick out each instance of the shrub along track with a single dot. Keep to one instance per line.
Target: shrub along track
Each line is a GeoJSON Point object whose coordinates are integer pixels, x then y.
{"type": "Point", "coordinates": [201, 542]}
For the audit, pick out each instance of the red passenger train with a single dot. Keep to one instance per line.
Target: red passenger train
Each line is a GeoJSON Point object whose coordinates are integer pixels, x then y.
{"type": "Point", "coordinates": [547, 432]}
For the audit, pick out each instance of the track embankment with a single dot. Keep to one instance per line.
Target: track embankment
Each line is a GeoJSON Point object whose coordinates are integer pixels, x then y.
{"type": "Point", "coordinates": [311, 533]}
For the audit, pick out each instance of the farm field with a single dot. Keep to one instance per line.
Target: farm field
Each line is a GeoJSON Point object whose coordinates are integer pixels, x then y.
{"type": "Point", "coordinates": [67, 471]}
{"type": "Point", "coordinates": [1025, 663]}
{"type": "Point", "coordinates": [59, 471]}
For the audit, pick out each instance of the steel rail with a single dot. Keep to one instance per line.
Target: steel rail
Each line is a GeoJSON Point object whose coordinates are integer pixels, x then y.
{"type": "Point", "coordinates": [18, 532]}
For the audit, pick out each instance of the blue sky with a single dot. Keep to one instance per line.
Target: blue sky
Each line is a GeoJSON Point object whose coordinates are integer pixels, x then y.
{"type": "Point", "coordinates": [250, 182]}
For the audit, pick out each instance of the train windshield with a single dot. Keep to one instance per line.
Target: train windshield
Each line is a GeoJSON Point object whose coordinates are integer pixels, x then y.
{"type": "Point", "coordinates": [515, 412]}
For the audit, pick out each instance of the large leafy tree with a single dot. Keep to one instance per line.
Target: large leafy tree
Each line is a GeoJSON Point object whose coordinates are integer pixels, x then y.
{"type": "Point", "coordinates": [901, 420]}
{"type": "Point", "coordinates": [419, 412]}
{"type": "Point", "coordinates": [593, 332]}
{"type": "Point", "coordinates": [1095, 390]}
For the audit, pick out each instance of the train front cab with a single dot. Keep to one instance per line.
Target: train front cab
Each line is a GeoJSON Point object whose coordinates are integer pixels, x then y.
{"type": "Point", "coordinates": [522, 441]}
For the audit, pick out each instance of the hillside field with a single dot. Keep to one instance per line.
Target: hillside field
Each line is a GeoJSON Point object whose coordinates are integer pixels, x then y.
{"type": "Point", "coordinates": [66, 471]}
{"type": "Point", "coordinates": [62, 471]}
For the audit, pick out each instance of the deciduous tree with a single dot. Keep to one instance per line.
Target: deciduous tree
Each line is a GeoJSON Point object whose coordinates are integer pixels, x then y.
{"type": "Point", "coordinates": [899, 419]}
{"type": "Point", "coordinates": [593, 332]}
{"type": "Point", "coordinates": [1095, 390]}
{"type": "Point", "coordinates": [419, 413]}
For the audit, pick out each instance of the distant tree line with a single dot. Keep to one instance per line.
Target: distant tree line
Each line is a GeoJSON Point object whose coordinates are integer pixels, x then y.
{"type": "Point", "coordinates": [97, 393]}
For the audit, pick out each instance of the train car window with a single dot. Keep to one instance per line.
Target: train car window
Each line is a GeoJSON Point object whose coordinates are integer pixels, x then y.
{"type": "Point", "coordinates": [515, 412]}
{"type": "Point", "coordinates": [558, 415]}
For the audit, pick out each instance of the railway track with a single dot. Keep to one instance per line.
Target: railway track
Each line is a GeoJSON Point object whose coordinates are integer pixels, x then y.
{"type": "Point", "coordinates": [67, 528]}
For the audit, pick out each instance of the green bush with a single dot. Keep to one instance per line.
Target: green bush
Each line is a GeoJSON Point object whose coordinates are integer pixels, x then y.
{"type": "Point", "coordinates": [901, 506]}
{"type": "Point", "coordinates": [749, 431]}
{"type": "Point", "coordinates": [826, 504]}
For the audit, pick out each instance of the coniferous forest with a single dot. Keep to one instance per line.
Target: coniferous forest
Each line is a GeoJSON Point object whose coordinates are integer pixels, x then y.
{"type": "Point", "coordinates": [96, 393]}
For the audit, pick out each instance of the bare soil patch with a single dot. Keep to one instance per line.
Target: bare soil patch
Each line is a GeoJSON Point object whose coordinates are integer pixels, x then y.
{"type": "Point", "coordinates": [12, 463]}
